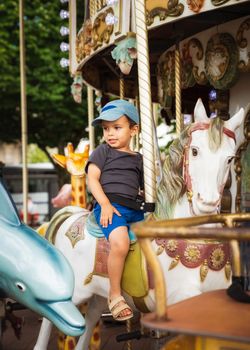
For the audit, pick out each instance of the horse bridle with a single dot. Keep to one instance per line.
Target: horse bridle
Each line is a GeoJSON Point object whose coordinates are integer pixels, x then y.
{"type": "Point", "coordinates": [186, 175]}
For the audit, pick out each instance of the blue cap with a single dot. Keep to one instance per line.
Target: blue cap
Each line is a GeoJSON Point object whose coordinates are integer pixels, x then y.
{"type": "Point", "coordinates": [116, 109]}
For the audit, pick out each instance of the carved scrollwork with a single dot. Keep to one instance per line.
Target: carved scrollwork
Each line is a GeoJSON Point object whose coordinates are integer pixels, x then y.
{"type": "Point", "coordinates": [195, 5]}
{"type": "Point", "coordinates": [241, 41]}
{"type": "Point", "coordinates": [219, 2]}
{"type": "Point", "coordinates": [84, 41]}
{"type": "Point", "coordinates": [192, 64]}
{"type": "Point", "coordinates": [244, 64]}
{"type": "Point", "coordinates": [173, 9]}
{"type": "Point", "coordinates": [101, 31]}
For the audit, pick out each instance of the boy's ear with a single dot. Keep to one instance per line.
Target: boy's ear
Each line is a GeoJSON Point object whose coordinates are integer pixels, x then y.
{"type": "Point", "coordinates": [135, 129]}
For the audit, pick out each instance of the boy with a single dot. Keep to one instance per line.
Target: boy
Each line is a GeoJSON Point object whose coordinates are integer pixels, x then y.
{"type": "Point", "coordinates": [115, 176]}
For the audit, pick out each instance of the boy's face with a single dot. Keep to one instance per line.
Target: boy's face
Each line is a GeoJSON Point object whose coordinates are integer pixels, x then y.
{"type": "Point", "coordinates": [118, 133]}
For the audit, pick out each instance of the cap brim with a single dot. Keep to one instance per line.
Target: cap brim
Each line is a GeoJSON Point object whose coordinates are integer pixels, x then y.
{"type": "Point", "coordinates": [109, 115]}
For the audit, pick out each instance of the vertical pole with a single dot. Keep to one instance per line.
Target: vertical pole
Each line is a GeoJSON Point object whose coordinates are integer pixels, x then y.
{"type": "Point", "coordinates": [90, 119]}
{"type": "Point", "coordinates": [178, 114]}
{"type": "Point", "coordinates": [122, 88]}
{"type": "Point", "coordinates": [23, 113]}
{"type": "Point", "coordinates": [147, 128]}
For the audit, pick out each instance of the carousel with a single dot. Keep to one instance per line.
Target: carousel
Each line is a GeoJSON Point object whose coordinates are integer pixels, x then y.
{"type": "Point", "coordinates": [187, 62]}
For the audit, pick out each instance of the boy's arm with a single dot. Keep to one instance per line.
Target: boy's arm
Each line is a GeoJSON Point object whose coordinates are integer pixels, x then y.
{"type": "Point", "coordinates": [107, 210]}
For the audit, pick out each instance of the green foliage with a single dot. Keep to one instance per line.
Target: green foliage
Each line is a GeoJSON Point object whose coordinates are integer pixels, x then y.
{"type": "Point", "coordinates": [36, 155]}
{"type": "Point", "coordinates": [53, 116]}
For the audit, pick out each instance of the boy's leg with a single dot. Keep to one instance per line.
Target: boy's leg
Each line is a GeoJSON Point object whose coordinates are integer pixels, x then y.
{"type": "Point", "coordinates": [119, 247]}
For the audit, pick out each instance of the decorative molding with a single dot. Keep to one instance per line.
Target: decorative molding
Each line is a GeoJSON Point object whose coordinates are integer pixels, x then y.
{"type": "Point", "coordinates": [219, 2]}
{"type": "Point", "coordinates": [84, 42]}
{"type": "Point", "coordinates": [172, 9]}
{"type": "Point", "coordinates": [195, 5]}
{"type": "Point", "coordinates": [192, 56]}
{"type": "Point", "coordinates": [101, 32]}
{"type": "Point", "coordinates": [243, 44]}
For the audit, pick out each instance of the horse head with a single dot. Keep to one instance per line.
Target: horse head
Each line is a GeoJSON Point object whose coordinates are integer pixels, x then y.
{"type": "Point", "coordinates": [210, 148]}
{"type": "Point", "coordinates": [197, 166]}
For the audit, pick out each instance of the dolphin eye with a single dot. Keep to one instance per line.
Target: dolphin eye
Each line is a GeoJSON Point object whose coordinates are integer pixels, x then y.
{"type": "Point", "coordinates": [21, 286]}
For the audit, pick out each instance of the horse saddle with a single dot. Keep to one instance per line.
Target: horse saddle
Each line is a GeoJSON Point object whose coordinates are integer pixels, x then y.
{"type": "Point", "coordinates": [135, 279]}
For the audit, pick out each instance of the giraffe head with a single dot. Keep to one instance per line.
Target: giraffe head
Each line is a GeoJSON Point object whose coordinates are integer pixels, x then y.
{"type": "Point", "coordinates": [73, 162]}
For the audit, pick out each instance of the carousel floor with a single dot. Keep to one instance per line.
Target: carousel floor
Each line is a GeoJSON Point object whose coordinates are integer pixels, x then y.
{"type": "Point", "coordinates": [109, 331]}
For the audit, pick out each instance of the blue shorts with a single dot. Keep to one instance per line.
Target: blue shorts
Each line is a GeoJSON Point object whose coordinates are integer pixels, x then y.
{"type": "Point", "coordinates": [127, 216]}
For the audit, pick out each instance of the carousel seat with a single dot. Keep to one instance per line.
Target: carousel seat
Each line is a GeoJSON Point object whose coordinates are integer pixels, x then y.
{"type": "Point", "coordinates": [212, 314]}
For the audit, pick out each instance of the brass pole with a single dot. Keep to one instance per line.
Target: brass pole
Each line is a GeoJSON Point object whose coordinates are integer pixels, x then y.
{"type": "Point", "coordinates": [90, 119]}
{"type": "Point", "coordinates": [23, 112]}
{"type": "Point", "coordinates": [122, 88]}
{"type": "Point", "coordinates": [178, 91]}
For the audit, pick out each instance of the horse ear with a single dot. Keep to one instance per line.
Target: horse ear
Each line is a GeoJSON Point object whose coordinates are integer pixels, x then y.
{"type": "Point", "coordinates": [200, 114]}
{"type": "Point", "coordinates": [235, 121]}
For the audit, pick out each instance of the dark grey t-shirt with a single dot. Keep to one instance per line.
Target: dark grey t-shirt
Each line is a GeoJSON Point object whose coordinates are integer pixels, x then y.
{"type": "Point", "coordinates": [121, 172]}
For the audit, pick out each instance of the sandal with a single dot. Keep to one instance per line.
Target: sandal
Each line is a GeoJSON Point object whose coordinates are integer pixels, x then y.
{"type": "Point", "coordinates": [116, 306]}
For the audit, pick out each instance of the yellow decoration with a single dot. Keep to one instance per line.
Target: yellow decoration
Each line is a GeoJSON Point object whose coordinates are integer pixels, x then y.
{"type": "Point", "coordinates": [174, 262]}
{"type": "Point", "coordinates": [203, 270]}
{"type": "Point", "coordinates": [228, 270]}
{"type": "Point", "coordinates": [88, 279]}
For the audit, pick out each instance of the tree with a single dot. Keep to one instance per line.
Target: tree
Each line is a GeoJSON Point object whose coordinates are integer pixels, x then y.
{"type": "Point", "coordinates": [53, 116]}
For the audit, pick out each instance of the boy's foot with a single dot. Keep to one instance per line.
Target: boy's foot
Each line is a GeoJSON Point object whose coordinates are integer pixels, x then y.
{"type": "Point", "coordinates": [117, 306]}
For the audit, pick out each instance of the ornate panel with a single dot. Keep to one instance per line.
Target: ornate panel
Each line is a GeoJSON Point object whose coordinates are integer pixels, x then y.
{"type": "Point", "coordinates": [217, 59]}
{"type": "Point", "coordinates": [162, 9]}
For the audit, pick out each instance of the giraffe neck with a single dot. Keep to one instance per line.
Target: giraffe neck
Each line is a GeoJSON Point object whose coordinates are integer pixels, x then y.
{"type": "Point", "coordinates": [78, 183]}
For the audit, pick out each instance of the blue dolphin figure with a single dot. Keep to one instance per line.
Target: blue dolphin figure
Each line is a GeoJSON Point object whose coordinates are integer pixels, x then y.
{"type": "Point", "coordinates": [34, 273]}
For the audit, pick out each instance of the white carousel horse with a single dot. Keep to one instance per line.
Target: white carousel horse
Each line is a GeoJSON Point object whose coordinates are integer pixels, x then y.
{"type": "Point", "coordinates": [206, 150]}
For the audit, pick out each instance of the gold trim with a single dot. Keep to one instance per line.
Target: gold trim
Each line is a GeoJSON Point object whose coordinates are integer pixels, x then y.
{"type": "Point", "coordinates": [174, 9]}
{"type": "Point", "coordinates": [88, 279]}
{"type": "Point", "coordinates": [204, 271]}
{"type": "Point", "coordinates": [101, 32]}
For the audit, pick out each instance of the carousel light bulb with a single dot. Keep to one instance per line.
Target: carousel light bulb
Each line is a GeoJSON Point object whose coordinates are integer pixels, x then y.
{"type": "Point", "coordinates": [64, 14]}
{"type": "Point", "coordinates": [64, 47]}
{"type": "Point", "coordinates": [64, 31]}
{"type": "Point", "coordinates": [64, 62]}
{"type": "Point", "coordinates": [212, 95]}
{"type": "Point", "coordinates": [111, 19]}
{"type": "Point", "coordinates": [111, 2]}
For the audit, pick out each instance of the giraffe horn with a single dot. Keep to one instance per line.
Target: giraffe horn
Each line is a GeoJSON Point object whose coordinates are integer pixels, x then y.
{"type": "Point", "coordinates": [60, 159]}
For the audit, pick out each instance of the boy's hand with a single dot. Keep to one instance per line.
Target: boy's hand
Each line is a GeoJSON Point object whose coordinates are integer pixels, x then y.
{"type": "Point", "coordinates": [107, 212]}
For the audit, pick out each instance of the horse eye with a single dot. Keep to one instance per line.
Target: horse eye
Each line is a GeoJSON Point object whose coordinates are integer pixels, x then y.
{"type": "Point", "coordinates": [21, 286]}
{"type": "Point", "coordinates": [229, 160]}
{"type": "Point", "coordinates": [194, 152]}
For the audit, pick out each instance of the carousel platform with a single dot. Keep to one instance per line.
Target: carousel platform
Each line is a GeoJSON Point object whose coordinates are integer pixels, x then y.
{"type": "Point", "coordinates": [211, 314]}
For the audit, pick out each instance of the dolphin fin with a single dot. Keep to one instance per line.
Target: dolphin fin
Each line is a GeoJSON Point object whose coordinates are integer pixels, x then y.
{"type": "Point", "coordinates": [8, 211]}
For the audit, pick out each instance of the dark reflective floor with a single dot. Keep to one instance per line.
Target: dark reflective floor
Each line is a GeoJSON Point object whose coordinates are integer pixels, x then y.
{"type": "Point", "coordinates": [109, 331]}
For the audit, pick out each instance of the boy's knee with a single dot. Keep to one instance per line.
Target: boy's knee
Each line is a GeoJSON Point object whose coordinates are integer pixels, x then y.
{"type": "Point", "coordinates": [119, 245]}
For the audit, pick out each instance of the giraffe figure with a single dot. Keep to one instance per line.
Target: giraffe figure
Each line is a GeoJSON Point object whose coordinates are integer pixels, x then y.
{"type": "Point", "coordinates": [75, 163]}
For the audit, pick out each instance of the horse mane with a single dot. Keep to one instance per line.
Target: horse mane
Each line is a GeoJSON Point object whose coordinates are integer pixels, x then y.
{"type": "Point", "coordinates": [172, 186]}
